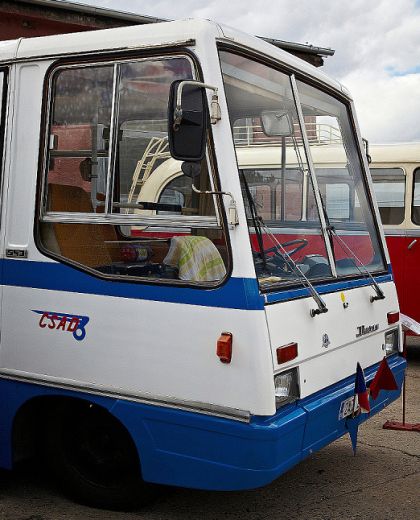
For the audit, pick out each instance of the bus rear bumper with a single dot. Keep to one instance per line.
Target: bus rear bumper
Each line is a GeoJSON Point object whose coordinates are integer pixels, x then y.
{"type": "Point", "coordinates": [197, 451]}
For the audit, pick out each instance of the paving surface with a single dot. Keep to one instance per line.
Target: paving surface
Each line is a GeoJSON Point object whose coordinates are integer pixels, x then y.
{"type": "Point", "coordinates": [382, 482]}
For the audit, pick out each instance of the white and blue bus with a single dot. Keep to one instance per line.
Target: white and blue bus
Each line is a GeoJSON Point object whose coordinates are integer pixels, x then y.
{"type": "Point", "coordinates": [197, 338]}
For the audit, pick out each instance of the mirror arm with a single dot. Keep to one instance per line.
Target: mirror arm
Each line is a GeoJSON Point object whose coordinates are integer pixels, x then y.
{"type": "Point", "coordinates": [232, 209]}
{"type": "Point", "coordinates": [215, 112]}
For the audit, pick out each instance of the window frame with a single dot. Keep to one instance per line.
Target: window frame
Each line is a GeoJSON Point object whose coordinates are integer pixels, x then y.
{"type": "Point", "coordinates": [300, 75]}
{"type": "Point", "coordinates": [219, 222]}
{"type": "Point", "coordinates": [404, 177]}
{"type": "Point", "coordinates": [415, 171]}
{"type": "Point", "coordinates": [108, 216]}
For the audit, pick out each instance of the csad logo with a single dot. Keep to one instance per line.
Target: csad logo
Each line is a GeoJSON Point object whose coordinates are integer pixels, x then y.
{"type": "Point", "coordinates": [65, 322]}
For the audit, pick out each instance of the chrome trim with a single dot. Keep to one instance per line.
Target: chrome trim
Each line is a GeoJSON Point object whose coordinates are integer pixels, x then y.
{"type": "Point", "coordinates": [401, 232]}
{"type": "Point", "coordinates": [411, 232]}
{"type": "Point", "coordinates": [133, 219]}
{"type": "Point", "coordinates": [138, 397]}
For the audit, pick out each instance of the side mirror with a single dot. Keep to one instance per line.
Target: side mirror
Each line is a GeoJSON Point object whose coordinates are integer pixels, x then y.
{"type": "Point", "coordinates": [188, 120]}
{"type": "Point", "coordinates": [276, 123]}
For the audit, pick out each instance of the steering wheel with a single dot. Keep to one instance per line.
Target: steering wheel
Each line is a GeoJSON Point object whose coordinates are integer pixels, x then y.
{"type": "Point", "coordinates": [278, 249]}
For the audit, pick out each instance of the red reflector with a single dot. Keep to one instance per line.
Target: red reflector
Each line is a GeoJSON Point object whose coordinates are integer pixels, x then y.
{"type": "Point", "coordinates": [287, 353]}
{"type": "Point", "coordinates": [393, 317]}
{"type": "Point", "coordinates": [224, 347]}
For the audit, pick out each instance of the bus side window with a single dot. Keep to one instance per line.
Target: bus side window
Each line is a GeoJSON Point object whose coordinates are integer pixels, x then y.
{"type": "Point", "coordinates": [389, 186]}
{"type": "Point", "coordinates": [415, 210]}
{"type": "Point", "coordinates": [114, 200]}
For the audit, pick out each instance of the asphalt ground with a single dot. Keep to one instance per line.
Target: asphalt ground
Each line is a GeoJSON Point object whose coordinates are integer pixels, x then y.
{"type": "Point", "coordinates": [381, 482]}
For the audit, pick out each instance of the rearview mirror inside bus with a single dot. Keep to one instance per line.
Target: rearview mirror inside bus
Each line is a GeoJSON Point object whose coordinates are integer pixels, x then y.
{"type": "Point", "coordinates": [276, 123]}
{"type": "Point", "coordinates": [187, 121]}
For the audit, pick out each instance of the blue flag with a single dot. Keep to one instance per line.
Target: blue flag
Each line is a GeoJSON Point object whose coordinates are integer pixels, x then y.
{"type": "Point", "coordinates": [361, 390]}
{"type": "Point", "coordinates": [352, 425]}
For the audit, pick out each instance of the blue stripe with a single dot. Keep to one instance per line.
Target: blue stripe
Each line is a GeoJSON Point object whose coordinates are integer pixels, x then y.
{"type": "Point", "coordinates": [236, 293]}
{"type": "Point", "coordinates": [324, 289]}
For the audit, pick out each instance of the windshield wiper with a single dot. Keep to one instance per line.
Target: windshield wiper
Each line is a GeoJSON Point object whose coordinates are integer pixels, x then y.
{"type": "Point", "coordinates": [333, 233]}
{"type": "Point", "coordinates": [322, 306]}
{"type": "Point", "coordinates": [256, 219]}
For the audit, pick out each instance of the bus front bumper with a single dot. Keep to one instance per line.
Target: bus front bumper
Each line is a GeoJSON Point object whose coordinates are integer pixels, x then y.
{"type": "Point", "coordinates": [198, 451]}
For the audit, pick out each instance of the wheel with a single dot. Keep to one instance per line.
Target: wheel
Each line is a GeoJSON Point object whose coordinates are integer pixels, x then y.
{"type": "Point", "coordinates": [94, 460]}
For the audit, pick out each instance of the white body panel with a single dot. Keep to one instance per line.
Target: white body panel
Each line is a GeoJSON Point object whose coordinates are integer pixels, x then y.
{"type": "Point", "coordinates": [164, 351]}
{"type": "Point", "coordinates": [321, 366]}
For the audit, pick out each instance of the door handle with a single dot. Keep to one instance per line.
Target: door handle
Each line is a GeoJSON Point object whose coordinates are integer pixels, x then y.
{"type": "Point", "coordinates": [411, 244]}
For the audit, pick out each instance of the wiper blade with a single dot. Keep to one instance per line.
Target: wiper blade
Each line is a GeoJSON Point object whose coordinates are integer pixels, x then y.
{"type": "Point", "coordinates": [321, 305]}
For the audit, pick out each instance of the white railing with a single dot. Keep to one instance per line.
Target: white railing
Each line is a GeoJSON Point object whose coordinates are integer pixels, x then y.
{"type": "Point", "coordinates": [318, 133]}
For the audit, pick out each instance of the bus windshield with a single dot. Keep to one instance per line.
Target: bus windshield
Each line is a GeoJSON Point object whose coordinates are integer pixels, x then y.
{"type": "Point", "coordinates": [305, 217]}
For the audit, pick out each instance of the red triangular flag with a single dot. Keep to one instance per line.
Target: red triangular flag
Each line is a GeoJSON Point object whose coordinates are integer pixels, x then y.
{"type": "Point", "coordinates": [383, 380]}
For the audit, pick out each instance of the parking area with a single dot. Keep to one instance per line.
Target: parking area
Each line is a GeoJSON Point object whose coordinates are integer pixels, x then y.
{"type": "Point", "coordinates": [381, 482]}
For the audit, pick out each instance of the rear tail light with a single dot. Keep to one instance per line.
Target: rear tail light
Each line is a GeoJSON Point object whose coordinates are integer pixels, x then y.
{"type": "Point", "coordinates": [393, 317]}
{"type": "Point", "coordinates": [287, 353]}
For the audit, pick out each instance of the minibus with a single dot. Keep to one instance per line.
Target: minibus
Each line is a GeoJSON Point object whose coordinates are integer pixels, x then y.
{"type": "Point", "coordinates": [204, 332]}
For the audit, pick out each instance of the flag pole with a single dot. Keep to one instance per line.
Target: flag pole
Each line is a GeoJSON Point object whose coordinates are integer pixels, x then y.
{"type": "Point", "coordinates": [402, 426]}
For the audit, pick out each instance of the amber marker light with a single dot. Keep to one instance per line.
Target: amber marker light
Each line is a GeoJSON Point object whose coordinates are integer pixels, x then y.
{"type": "Point", "coordinates": [224, 347]}
{"type": "Point", "coordinates": [287, 353]}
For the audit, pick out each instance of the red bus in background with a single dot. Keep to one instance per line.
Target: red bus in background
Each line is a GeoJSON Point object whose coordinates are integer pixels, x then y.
{"type": "Point", "coordinates": [395, 170]}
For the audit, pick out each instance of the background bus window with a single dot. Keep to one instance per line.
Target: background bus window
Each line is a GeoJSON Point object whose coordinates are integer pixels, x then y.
{"type": "Point", "coordinates": [337, 190]}
{"type": "Point", "coordinates": [277, 198]}
{"type": "Point", "coordinates": [415, 210]}
{"type": "Point", "coordinates": [389, 186]}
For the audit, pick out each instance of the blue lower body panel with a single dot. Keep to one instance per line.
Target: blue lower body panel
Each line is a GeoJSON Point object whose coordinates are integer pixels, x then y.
{"type": "Point", "coordinates": [198, 451]}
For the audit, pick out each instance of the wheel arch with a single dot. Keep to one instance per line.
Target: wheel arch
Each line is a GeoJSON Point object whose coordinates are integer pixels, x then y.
{"type": "Point", "coordinates": [32, 417]}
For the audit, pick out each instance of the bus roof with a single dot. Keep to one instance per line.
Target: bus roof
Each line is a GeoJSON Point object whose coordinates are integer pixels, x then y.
{"type": "Point", "coordinates": [395, 152]}
{"type": "Point", "coordinates": [145, 36]}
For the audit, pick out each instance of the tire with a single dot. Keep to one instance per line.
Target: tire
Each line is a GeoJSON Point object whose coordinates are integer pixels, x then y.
{"type": "Point", "coordinates": [94, 460]}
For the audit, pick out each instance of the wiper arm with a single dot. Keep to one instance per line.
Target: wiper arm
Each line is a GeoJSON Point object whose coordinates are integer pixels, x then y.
{"type": "Point", "coordinates": [321, 305]}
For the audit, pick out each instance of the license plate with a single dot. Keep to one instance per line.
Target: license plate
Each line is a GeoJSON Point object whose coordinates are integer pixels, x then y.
{"type": "Point", "coordinates": [348, 406]}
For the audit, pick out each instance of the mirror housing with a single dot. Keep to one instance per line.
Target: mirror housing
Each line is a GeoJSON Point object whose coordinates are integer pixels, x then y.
{"type": "Point", "coordinates": [276, 123]}
{"type": "Point", "coordinates": [190, 169]}
{"type": "Point", "coordinates": [188, 120]}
